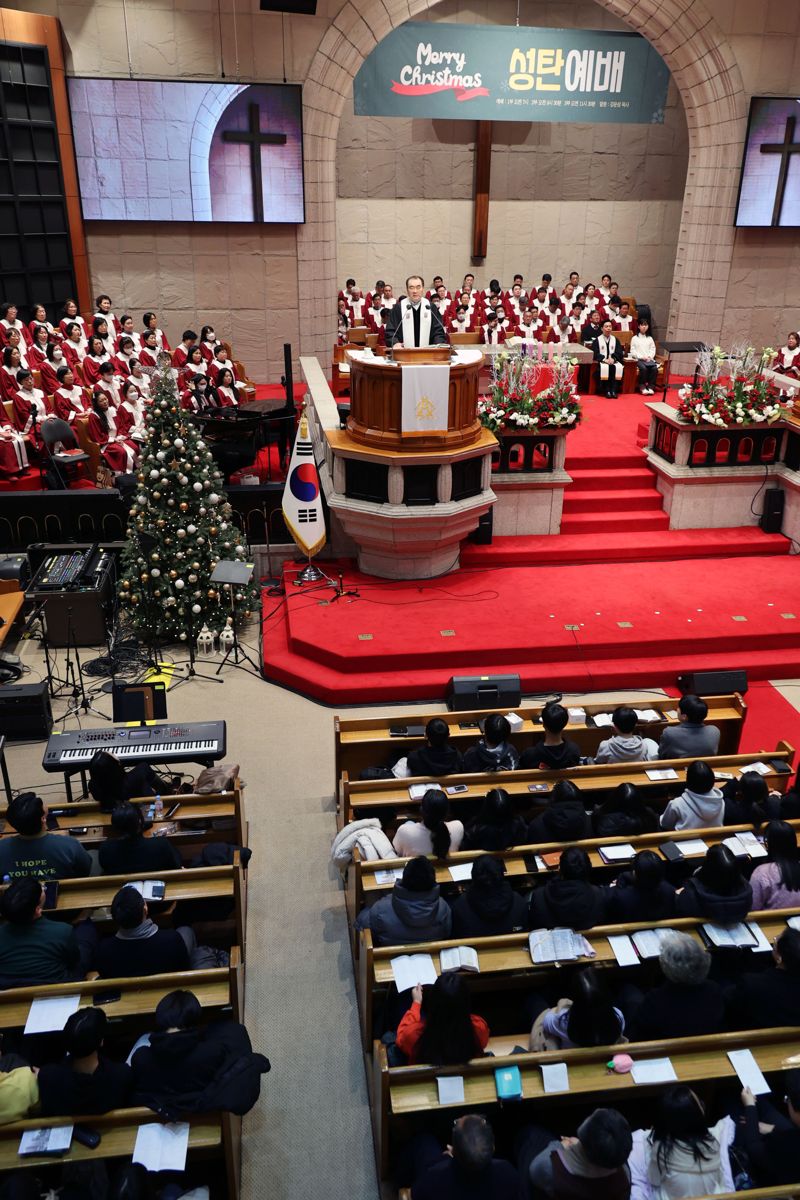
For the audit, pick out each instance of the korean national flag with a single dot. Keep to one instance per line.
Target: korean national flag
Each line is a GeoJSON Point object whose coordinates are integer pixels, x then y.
{"type": "Point", "coordinates": [302, 502]}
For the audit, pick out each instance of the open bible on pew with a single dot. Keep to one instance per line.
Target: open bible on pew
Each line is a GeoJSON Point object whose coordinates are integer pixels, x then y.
{"type": "Point", "coordinates": [558, 945]}
{"type": "Point", "coordinates": [459, 958]}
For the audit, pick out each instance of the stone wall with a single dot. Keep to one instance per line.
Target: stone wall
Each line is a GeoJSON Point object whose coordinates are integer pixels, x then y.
{"type": "Point", "coordinates": [589, 197]}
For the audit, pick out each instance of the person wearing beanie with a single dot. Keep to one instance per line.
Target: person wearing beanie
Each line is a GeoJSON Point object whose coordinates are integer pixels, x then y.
{"type": "Point", "coordinates": [700, 805]}
{"type": "Point", "coordinates": [414, 912]}
{"type": "Point", "coordinates": [626, 745]}
{"type": "Point", "coordinates": [489, 906]}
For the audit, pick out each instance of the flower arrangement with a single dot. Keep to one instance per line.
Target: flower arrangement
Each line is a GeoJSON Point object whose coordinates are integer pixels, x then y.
{"type": "Point", "coordinates": [513, 402]}
{"type": "Point", "coordinates": [747, 397]}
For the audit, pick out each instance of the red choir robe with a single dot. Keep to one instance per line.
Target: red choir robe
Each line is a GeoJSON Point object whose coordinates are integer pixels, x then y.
{"type": "Point", "coordinates": [119, 452]}
{"type": "Point", "coordinates": [143, 384]}
{"type": "Point", "coordinates": [148, 359]}
{"type": "Point", "coordinates": [356, 310]}
{"type": "Point", "coordinates": [25, 338]}
{"type": "Point", "coordinates": [110, 388]}
{"type": "Point", "coordinates": [226, 397]}
{"type": "Point", "coordinates": [556, 336]}
{"type": "Point", "coordinates": [72, 321]}
{"type": "Point", "coordinates": [8, 382]}
{"type": "Point", "coordinates": [788, 362]}
{"type": "Point", "coordinates": [180, 357]}
{"type": "Point", "coordinates": [161, 340]}
{"type": "Point", "coordinates": [622, 324]}
{"type": "Point", "coordinates": [70, 404]}
{"type": "Point", "coordinates": [91, 368]}
{"type": "Point", "coordinates": [54, 334]}
{"type": "Point", "coordinates": [74, 353]}
{"type": "Point", "coordinates": [208, 349]}
{"type": "Point", "coordinates": [375, 324]}
{"type": "Point", "coordinates": [36, 356]}
{"type": "Point", "coordinates": [50, 384]}
{"type": "Point", "coordinates": [137, 342]}
{"type": "Point", "coordinates": [215, 367]}
{"type": "Point", "coordinates": [13, 454]}
{"type": "Point", "coordinates": [530, 333]}
{"type": "Point", "coordinates": [129, 419]}
{"type": "Point", "coordinates": [494, 337]}
{"type": "Point", "coordinates": [456, 326]}
{"type": "Point", "coordinates": [122, 364]}
{"type": "Point", "coordinates": [23, 417]}
{"type": "Point", "coordinates": [111, 321]}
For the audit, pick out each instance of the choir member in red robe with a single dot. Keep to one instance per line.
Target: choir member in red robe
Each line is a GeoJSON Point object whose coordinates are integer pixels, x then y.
{"type": "Point", "coordinates": [129, 415]}
{"type": "Point", "coordinates": [196, 395]}
{"type": "Point", "coordinates": [127, 331]}
{"type": "Point", "coordinates": [208, 342]}
{"type": "Point", "coordinates": [30, 409]}
{"type": "Point", "coordinates": [148, 355]}
{"type": "Point", "coordinates": [125, 352]}
{"type": "Point", "coordinates": [623, 320]}
{"type": "Point", "coordinates": [389, 298]}
{"type": "Point", "coordinates": [14, 340]}
{"type": "Point", "coordinates": [120, 453]}
{"type": "Point", "coordinates": [75, 346]}
{"type": "Point", "coordinates": [70, 313]}
{"type": "Point", "coordinates": [103, 311]}
{"type": "Point", "coordinates": [55, 359]}
{"type": "Point", "coordinates": [356, 307]}
{"type": "Point", "coordinates": [591, 299]}
{"type": "Point", "coordinates": [150, 321]}
{"type": "Point", "coordinates": [529, 327]}
{"type": "Point", "coordinates": [39, 317]}
{"type": "Point", "coordinates": [37, 351]}
{"type": "Point", "coordinates": [461, 323]}
{"type": "Point", "coordinates": [181, 352]}
{"type": "Point", "coordinates": [344, 294]}
{"type": "Point", "coordinates": [605, 288]}
{"type": "Point", "coordinates": [96, 355]}
{"type": "Point", "coordinates": [110, 383]}
{"type": "Point", "coordinates": [561, 334]}
{"type": "Point", "coordinates": [788, 360]}
{"type": "Point", "coordinates": [342, 323]}
{"type": "Point", "coordinates": [443, 303]}
{"type": "Point", "coordinates": [380, 284]}
{"type": "Point", "coordinates": [195, 361]}
{"type": "Point", "coordinates": [493, 335]}
{"type": "Point", "coordinates": [13, 454]}
{"type": "Point", "coordinates": [220, 362]}
{"type": "Point", "coordinates": [225, 393]}
{"type": "Point", "coordinates": [141, 379]}
{"type": "Point", "coordinates": [10, 320]}
{"type": "Point", "coordinates": [374, 318]}
{"type": "Point", "coordinates": [106, 332]}
{"type": "Point", "coordinates": [12, 365]}
{"type": "Point", "coordinates": [70, 398]}
{"type": "Point", "coordinates": [568, 297]}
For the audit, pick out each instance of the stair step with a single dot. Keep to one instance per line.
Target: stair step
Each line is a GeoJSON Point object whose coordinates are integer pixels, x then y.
{"type": "Point", "coordinates": [613, 478]}
{"type": "Point", "coordinates": [619, 546]}
{"type": "Point", "coordinates": [624, 501]}
{"type": "Point", "coordinates": [592, 522]}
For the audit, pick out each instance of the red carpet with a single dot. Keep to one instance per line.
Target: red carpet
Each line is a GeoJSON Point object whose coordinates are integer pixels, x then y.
{"type": "Point", "coordinates": [769, 718]}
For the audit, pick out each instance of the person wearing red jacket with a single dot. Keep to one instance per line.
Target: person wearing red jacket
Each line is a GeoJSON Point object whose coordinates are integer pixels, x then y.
{"type": "Point", "coordinates": [439, 1028]}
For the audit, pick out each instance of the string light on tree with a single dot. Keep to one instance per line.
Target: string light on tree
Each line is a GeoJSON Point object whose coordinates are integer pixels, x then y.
{"type": "Point", "coordinates": [180, 514]}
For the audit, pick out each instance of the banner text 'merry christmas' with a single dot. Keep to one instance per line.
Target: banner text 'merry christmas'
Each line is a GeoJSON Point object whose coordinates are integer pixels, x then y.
{"type": "Point", "coordinates": [428, 57]}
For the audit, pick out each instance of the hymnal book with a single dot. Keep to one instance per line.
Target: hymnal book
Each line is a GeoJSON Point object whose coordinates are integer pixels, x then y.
{"type": "Point", "coordinates": [745, 845]}
{"type": "Point", "coordinates": [56, 1140]}
{"type": "Point", "coordinates": [621, 853]}
{"type": "Point", "coordinates": [558, 945]}
{"type": "Point", "coordinates": [577, 716]}
{"type": "Point", "coordinates": [648, 941]}
{"type": "Point", "coordinates": [736, 935]}
{"type": "Point", "coordinates": [648, 715]}
{"type": "Point", "coordinates": [411, 969]}
{"type": "Point", "coordinates": [458, 958]}
{"type": "Point", "coordinates": [603, 720]}
{"type": "Point", "coordinates": [653, 1070]}
{"type": "Point", "coordinates": [760, 768]}
{"type": "Point", "coordinates": [508, 1082]}
{"type": "Point", "coordinates": [658, 773]}
{"type": "Point", "coordinates": [162, 1147]}
{"type": "Point", "coordinates": [417, 791]}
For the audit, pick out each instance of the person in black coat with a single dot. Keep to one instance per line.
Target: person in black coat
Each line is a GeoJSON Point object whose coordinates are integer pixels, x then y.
{"type": "Point", "coordinates": [496, 826]}
{"type": "Point", "coordinates": [564, 820]}
{"type": "Point", "coordinates": [746, 799]}
{"type": "Point", "coordinates": [110, 783]}
{"type": "Point", "coordinates": [554, 752]}
{"type": "Point", "coordinates": [438, 756]}
{"type": "Point", "coordinates": [624, 814]}
{"type": "Point", "coordinates": [86, 1081]}
{"type": "Point", "coordinates": [188, 1068]}
{"type": "Point", "coordinates": [414, 301]}
{"type": "Point", "coordinates": [466, 1171]}
{"type": "Point", "coordinates": [569, 899]}
{"type": "Point", "coordinates": [774, 1152]}
{"type": "Point", "coordinates": [771, 997]}
{"type": "Point", "coordinates": [129, 852]}
{"type": "Point", "coordinates": [608, 354]}
{"type": "Point", "coordinates": [489, 906]}
{"type": "Point", "coordinates": [717, 890]}
{"type": "Point", "coordinates": [687, 1003]}
{"type": "Point", "coordinates": [139, 947]}
{"type": "Point", "coordinates": [641, 894]}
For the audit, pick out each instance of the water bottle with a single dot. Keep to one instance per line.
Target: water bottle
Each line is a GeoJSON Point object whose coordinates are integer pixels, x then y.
{"type": "Point", "coordinates": [158, 808]}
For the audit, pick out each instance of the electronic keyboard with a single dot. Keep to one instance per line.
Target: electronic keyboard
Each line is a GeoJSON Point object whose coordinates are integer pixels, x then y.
{"type": "Point", "coordinates": [201, 742]}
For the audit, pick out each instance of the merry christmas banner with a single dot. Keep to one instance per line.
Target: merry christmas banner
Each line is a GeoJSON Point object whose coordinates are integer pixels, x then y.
{"type": "Point", "coordinates": [510, 73]}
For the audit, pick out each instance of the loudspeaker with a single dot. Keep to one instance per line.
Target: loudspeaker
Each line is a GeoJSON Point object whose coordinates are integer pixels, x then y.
{"type": "Point", "coordinates": [713, 683]}
{"type": "Point", "coordinates": [465, 692]}
{"type": "Point", "coordinates": [25, 711]}
{"type": "Point", "coordinates": [15, 566]}
{"type": "Point", "coordinates": [306, 8]}
{"type": "Point", "coordinates": [482, 533]}
{"type": "Point", "coordinates": [772, 514]}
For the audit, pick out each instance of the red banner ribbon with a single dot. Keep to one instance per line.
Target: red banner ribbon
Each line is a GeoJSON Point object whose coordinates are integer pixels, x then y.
{"type": "Point", "coordinates": [427, 89]}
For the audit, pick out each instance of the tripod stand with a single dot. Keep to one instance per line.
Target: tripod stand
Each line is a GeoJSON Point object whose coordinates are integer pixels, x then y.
{"type": "Point", "coordinates": [80, 700]}
{"type": "Point", "coordinates": [191, 672]}
{"type": "Point", "coordinates": [235, 574]}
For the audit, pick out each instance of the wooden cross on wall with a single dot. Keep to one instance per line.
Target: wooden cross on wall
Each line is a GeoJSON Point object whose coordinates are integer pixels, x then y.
{"type": "Point", "coordinates": [480, 190]}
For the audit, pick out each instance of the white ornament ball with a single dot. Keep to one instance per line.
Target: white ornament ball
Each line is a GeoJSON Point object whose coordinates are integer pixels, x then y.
{"type": "Point", "coordinates": [196, 609]}
{"type": "Point", "coordinates": [142, 499]}
{"type": "Point", "coordinates": [182, 637]}
{"type": "Point", "coordinates": [160, 455]}
{"type": "Point", "coordinates": [201, 445]}
{"type": "Point", "coordinates": [198, 487]}
{"type": "Point", "coordinates": [181, 533]}
{"type": "Point", "coordinates": [201, 541]}
{"type": "Point", "coordinates": [183, 480]}
{"type": "Point", "coordinates": [170, 503]}
{"type": "Point", "coordinates": [154, 474]}
{"type": "Point", "coordinates": [213, 498]}
{"type": "Point", "coordinates": [155, 572]}
{"type": "Point", "coordinates": [178, 443]}
{"type": "Point", "coordinates": [191, 529]}
{"type": "Point", "coordinates": [224, 525]}
{"type": "Point", "coordinates": [203, 511]}
{"type": "Point", "coordinates": [240, 549]}
{"type": "Point", "coordinates": [180, 585]}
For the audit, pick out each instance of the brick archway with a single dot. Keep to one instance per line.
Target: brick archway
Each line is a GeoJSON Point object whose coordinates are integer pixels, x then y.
{"type": "Point", "coordinates": [710, 84]}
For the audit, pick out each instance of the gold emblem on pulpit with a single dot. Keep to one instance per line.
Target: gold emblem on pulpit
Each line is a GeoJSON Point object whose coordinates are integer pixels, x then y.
{"type": "Point", "coordinates": [425, 409]}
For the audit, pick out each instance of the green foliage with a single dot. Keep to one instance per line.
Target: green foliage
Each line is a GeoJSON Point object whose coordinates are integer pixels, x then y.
{"type": "Point", "coordinates": [181, 504]}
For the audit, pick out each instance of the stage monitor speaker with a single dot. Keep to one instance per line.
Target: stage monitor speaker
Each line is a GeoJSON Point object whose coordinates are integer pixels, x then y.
{"type": "Point", "coordinates": [304, 8]}
{"type": "Point", "coordinates": [483, 532]}
{"type": "Point", "coordinates": [772, 515]}
{"type": "Point", "coordinates": [713, 683]}
{"type": "Point", "coordinates": [15, 567]}
{"type": "Point", "coordinates": [465, 692]}
{"type": "Point", "coordinates": [25, 711]}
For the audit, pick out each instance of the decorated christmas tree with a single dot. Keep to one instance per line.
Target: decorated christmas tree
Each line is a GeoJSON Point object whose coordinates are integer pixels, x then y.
{"type": "Point", "coordinates": [180, 527]}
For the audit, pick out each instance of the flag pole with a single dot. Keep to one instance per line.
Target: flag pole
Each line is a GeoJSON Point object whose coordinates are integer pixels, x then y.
{"type": "Point", "coordinates": [309, 574]}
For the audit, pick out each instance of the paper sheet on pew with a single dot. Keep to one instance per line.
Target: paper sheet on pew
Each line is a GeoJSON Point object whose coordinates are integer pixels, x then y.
{"type": "Point", "coordinates": [657, 773]}
{"type": "Point", "coordinates": [162, 1147]}
{"type": "Point", "coordinates": [51, 1013]}
{"type": "Point", "coordinates": [460, 871]}
{"type": "Point", "coordinates": [624, 950]}
{"type": "Point", "coordinates": [749, 1072]}
{"type": "Point", "coordinates": [555, 1077]}
{"type": "Point", "coordinates": [691, 847]}
{"type": "Point", "coordinates": [389, 876]}
{"type": "Point", "coordinates": [411, 969]}
{"type": "Point", "coordinates": [450, 1088]}
{"type": "Point", "coordinates": [653, 1070]}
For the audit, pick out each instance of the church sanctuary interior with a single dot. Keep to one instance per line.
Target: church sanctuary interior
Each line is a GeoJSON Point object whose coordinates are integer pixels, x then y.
{"type": "Point", "coordinates": [399, 599]}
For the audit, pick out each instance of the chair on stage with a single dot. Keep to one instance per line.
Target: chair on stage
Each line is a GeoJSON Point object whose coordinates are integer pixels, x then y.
{"type": "Point", "coordinates": [62, 454]}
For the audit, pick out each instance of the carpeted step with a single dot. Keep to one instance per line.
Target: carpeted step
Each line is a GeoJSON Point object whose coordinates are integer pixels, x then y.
{"type": "Point", "coordinates": [613, 478]}
{"type": "Point", "coordinates": [601, 462]}
{"type": "Point", "coordinates": [544, 550]}
{"type": "Point", "coordinates": [601, 522]}
{"type": "Point", "coordinates": [624, 501]}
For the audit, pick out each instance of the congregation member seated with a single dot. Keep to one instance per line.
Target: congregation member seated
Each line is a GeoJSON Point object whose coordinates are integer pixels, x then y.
{"type": "Point", "coordinates": [770, 998]}
{"type": "Point", "coordinates": [139, 947]}
{"type": "Point", "coordinates": [591, 1166]}
{"type": "Point", "coordinates": [434, 834]}
{"type": "Point", "coordinates": [770, 1138]}
{"type": "Point", "coordinates": [85, 1081]}
{"type": "Point", "coordinates": [554, 752]}
{"type": "Point", "coordinates": [187, 1067]}
{"type": "Point", "coordinates": [686, 1004]}
{"type": "Point", "coordinates": [643, 893]}
{"type": "Point", "coordinates": [643, 350]}
{"type": "Point", "coordinates": [110, 783]}
{"type": "Point", "coordinates": [414, 912]}
{"type": "Point", "coordinates": [584, 1018]}
{"type": "Point", "coordinates": [785, 807]}
{"type": "Point", "coordinates": [700, 805]}
{"type": "Point", "coordinates": [691, 737]}
{"type": "Point", "coordinates": [776, 883]}
{"type": "Point", "coordinates": [570, 898]}
{"type": "Point", "coordinates": [437, 757]}
{"type": "Point", "coordinates": [564, 819]}
{"type": "Point", "coordinates": [34, 949]}
{"type": "Point", "coordinates": [466, 1170]}
{"type": "Point", "coordinates": [494, 751]}
{"type": "Point", "coordinates": [439, 1028]}
{"type": "Point", "coordinates": [746, 799]}
{"type": "Point", "coordinates": [489, 906]}
{"type": "Point", "coordinates": [625, 744]}
{"type": "Point", "coordinates": [19, 1098]}
{"type": "Point", "coordinates": [496, 826]}
{"type": "Point", "coordinates": [35, 850]}
{"type": "Point", "coordinates": [608, 354]}
{"type": "Point", "coordinates": [682, 1155]}
{"type": "Point", "coordinates": [623, 814]}
{"type": "Point", "coordinates": [717, 890]}
{"type": "Point", "coordinates": [129, 852]}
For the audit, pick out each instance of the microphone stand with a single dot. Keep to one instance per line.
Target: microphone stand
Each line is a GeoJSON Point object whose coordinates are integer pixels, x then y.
{"type": "Point", "coordinates": [36, 436]}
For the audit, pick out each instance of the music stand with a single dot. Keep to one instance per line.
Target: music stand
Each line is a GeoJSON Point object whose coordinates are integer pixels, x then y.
{"type": "Point", "coordinates": [234, 575]}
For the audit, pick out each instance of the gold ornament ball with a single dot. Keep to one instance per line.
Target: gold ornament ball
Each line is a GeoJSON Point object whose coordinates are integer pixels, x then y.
{"type": "Point", "coordinates": [144, 577]}
{"type": "Point", "coordinates": [140, 477]}
{"type": "Point", "coordinates": [156, 495]}
{"type": "Point", "coordinates": [123, 596]}
{"type": "Point", "coordinates": [212, 595]}
{"type": "Point", "coordinates": [126, 583]}
{"type": "Point", "coordinates": [161, 523]}
{"type": "Point", "coordinates": [183, 506]}
{"type": "Point", "coordinates": [173, 574]}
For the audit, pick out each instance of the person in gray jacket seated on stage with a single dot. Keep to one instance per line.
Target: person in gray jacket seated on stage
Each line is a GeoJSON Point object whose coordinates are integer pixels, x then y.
{"type": "Point", "coordinates": [415, 321]}
{"type": "Point", "coordinates": [414, 912]}
{"type": "Point", "coordinates": [691, 737]}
